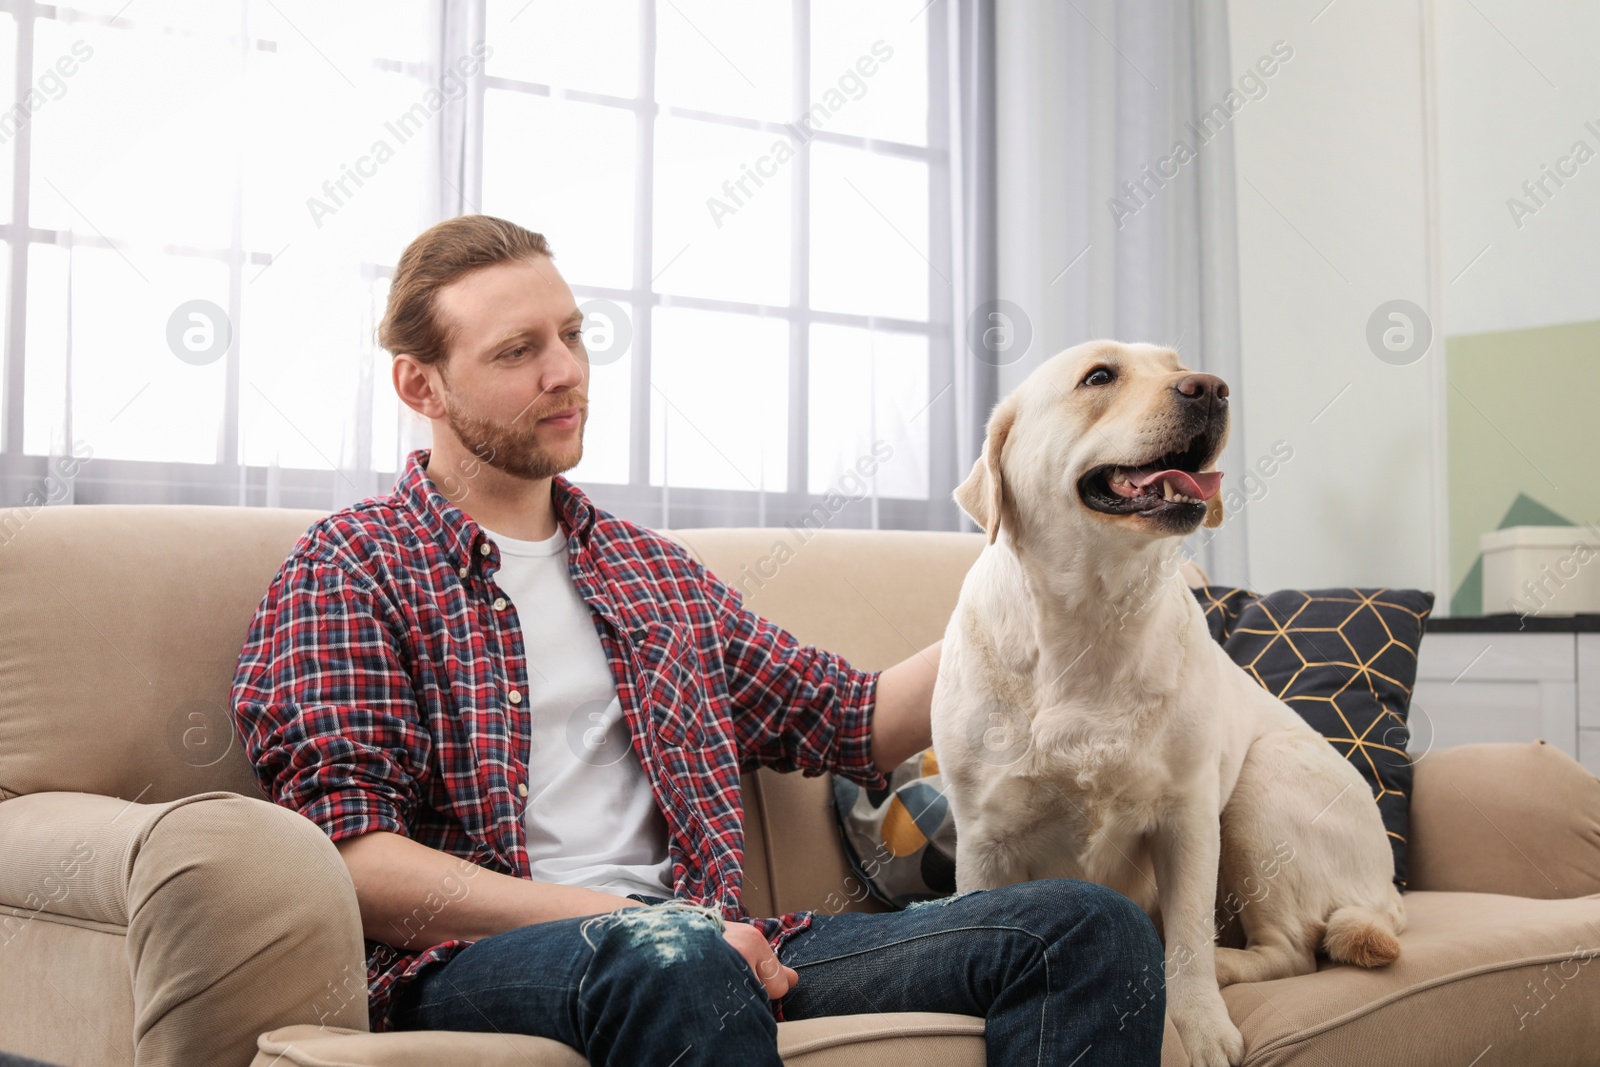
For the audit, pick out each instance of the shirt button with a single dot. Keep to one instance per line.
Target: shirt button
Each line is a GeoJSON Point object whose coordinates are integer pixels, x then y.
{"type": "Point", "coordinates": [499, 603]}
{"type": "Point", "coordinates": [483, 549]}
{"type": "Point", "coordinates": [522, 789]}
{"type": "Point", "coordinates": [462, 572]}
{"type": "Point", "coordinates": [516, 697]}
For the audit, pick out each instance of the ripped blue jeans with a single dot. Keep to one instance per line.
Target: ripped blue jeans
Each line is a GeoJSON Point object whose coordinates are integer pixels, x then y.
{"type": "Point", "coordinates": [1064, 972]}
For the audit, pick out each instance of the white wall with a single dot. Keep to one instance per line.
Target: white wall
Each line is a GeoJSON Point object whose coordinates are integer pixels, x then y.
{"type": "Point", "coordinates": [1333, 221]}
{"type": "Point", "coordinates": [1376, 168]}
{"type": "Point", "coordinates": [1341, 151]}
{"type": "Point", "coordinates": [1517, 84]}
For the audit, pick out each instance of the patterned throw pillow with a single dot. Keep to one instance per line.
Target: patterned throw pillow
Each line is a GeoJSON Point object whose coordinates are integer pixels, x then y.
{"type": "Point", "coordinates": [1344, 659]}
{"type": "Point", "coordinates": [900, 841]}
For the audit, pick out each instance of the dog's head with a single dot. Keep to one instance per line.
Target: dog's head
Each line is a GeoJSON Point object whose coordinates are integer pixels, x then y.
{"type": "Point", "coordinates": [1107, 435]}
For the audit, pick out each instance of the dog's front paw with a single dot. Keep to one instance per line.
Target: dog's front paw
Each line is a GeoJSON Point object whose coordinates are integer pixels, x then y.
{"type": "Point", "coordinates": [1209, 1036]}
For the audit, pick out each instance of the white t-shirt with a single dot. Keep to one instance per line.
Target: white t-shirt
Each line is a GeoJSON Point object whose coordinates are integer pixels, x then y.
{"type": "Point", "coordinates": [591, 819]}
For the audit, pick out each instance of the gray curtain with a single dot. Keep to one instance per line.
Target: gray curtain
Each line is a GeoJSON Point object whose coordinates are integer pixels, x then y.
{"type": "Point", "coordinates": [1091, 95]}
{"type": "Point", "coordinates": [460, 123]}
{"type": "Point", "coordinates": [975, 249]}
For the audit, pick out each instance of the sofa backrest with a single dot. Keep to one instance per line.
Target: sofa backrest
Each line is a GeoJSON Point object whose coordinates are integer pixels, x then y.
{"type": "Point", "coordinates": [120, 627]}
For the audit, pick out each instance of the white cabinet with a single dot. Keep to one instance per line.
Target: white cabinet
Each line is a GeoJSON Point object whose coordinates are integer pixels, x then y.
{"type": "Point", "coordinates": [1588, 700]}
{"type": "Point", "coordinates": [1487, 686]}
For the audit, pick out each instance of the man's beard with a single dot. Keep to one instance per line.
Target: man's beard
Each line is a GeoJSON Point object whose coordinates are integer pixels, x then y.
{"type": "Point", "coordinates": [515, 448]}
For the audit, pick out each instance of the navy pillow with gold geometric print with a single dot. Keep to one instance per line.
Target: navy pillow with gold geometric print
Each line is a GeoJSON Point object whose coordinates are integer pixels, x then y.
{"type": "Point", "coordinates": [1346, 661]}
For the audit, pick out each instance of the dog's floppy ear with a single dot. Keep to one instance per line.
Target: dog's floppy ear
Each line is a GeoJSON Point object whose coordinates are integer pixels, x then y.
{"type": "Point", "coordinates": [980, 495]}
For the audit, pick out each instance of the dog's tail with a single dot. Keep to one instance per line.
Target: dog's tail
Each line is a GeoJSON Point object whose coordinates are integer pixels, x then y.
{"type": "Point", "coordinates": [1363, 936]}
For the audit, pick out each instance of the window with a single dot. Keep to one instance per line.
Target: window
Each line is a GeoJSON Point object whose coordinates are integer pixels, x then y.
{"type": "Point", "coordinates": [750, 201]}
{"type": "Point", "coordinates": [759, 186]}
{"type": "Point", "coordinates": [202, 242]}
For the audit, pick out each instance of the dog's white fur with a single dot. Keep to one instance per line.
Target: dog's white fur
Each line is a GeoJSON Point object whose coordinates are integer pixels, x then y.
{"type": "Point", "coordinates": [1087, 726]}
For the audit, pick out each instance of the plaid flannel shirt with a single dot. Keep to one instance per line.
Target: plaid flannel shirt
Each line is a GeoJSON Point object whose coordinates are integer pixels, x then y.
{"type": "Point", "coordinates": [383, 686]}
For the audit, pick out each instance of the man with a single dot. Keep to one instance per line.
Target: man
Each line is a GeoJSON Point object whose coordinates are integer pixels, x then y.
{"type": "Point", "coordinates": [522, 722]}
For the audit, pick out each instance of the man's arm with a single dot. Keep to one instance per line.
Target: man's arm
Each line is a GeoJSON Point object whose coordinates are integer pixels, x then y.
{"type": "Point", "coordinates": [413, 896]}
{"type": "Point", "coordinates": [901, 720]}
{"type": "Point", "coordinates": [330, 723]}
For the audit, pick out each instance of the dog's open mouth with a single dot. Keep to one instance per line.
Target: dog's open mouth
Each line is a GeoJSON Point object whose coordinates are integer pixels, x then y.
{"type": "Point", "coordinates": [1171, 483]}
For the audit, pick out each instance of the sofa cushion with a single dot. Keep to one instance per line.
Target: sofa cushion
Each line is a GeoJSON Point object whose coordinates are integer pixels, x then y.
{"type": "Point", "coordinates": [1482, 979]}
{"type": "Point", "coordinates": [1345, 660]}
{"type": "Point", "coordinates": [933, 1039]}
{"type": "Point", "coordinates": [337, 1046]}
{"type": "Point", "coordinates": [1488, 980]}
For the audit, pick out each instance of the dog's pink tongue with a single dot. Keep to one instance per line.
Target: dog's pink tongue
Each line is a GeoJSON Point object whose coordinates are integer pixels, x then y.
{"type": "Point", "coordinates": [1202, 485]}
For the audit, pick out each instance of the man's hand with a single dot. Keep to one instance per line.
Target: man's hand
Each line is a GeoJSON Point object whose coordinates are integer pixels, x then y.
{"type": "Point", "coordinates": [753, 946]}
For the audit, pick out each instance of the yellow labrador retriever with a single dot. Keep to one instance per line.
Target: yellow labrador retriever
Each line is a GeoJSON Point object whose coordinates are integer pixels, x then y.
{"type": "Point", "coordinates": [1086, 724]}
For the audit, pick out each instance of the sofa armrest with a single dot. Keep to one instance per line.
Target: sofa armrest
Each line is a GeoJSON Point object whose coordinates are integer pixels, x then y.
{"type": "Point", "coordinates": [240, 914]}
{"type": "Point", "coordinates": [1517, 819]}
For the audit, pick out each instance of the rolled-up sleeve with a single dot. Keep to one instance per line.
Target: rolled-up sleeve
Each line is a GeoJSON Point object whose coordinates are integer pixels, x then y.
{"type": "Point", "coordinates": [325, 707]}
{"type": "Point", "coordinates": [795, 706]}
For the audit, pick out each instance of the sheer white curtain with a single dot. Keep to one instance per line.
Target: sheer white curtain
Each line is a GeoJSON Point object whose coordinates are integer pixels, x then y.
{"type": "Point", "coordinates": [1092, 95]}
{"type": "Point", "coordinates": [756, 204]}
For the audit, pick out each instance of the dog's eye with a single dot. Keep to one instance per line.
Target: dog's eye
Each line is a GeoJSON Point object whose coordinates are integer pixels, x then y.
{"type": "Point", "coordinates": [1100, 376]}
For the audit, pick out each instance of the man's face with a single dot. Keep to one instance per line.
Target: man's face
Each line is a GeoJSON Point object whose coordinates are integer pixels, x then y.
{"type": "Point", "coordinates": [517, 360]}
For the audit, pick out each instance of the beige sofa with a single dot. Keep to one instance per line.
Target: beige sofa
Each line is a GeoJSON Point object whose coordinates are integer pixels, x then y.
{"type": "Point", "coordinates": [154, 909]}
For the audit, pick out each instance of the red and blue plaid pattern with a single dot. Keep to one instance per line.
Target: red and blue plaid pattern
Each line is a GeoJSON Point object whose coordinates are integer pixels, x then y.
{"type": "Point", "coordinates": [375, 692]}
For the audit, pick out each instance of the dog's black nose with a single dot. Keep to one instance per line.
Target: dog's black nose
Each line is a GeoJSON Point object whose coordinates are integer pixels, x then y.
{"type": "Point", "coordinates": [1202, 387]}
